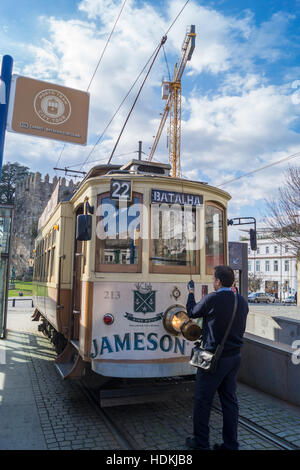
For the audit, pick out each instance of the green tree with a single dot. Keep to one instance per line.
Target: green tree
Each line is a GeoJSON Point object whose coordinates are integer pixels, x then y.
{"type": "Point", "coordinates": [12, 173]}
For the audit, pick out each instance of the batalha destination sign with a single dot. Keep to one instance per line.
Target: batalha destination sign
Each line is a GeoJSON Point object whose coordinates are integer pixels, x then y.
{"type": "Point", "coordinates": [170, 197]}
{"type": "Point", "coordinates": [46, 110]}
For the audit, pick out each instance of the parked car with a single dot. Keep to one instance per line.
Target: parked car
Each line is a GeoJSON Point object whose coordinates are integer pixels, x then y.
{"type": "Point", "coordinates": [290, 300]}
{"type": "Point", "coordinates": [272, 298]}
{"type": "Point", "coordinates": [257, 297]}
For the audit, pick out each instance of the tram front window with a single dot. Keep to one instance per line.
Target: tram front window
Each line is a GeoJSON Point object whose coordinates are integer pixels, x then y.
{"type": "Point", "coordinates": [118, 227]}
{"type": "Point", "coordinates": [214, 246]}
{"type": "Point", "coordinates": [173, 233]}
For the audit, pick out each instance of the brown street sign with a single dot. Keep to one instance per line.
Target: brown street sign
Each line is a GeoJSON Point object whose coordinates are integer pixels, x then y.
{"type": "Point", "coordinates": [47, 110]}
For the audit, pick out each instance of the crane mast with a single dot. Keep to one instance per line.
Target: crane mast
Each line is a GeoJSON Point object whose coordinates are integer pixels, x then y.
{"type": "Point", "coordinates": [171, 91]}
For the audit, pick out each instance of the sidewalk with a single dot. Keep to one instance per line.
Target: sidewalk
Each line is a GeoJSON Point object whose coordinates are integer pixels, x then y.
{"type": "Point", "coordinates": [39, 411]}
{"type": "Point", "coordinates": [20, 426]}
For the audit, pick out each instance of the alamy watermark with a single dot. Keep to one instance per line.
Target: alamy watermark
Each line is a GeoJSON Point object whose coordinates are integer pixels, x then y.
{"type": "Point", "coordinates": [160, 221]}
{"type": "Point", "coordinates": [2, 354]}
{"type": "Point", "coordinates": [296, 353]}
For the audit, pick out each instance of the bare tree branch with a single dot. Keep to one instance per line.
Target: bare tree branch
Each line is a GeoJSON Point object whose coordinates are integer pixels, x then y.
{"type": "Point", "coordinates": [284, 218]}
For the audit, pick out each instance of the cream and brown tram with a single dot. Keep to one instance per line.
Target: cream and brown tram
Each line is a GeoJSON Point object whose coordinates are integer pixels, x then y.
{"type": "Point", "coordinates": [112, 266]}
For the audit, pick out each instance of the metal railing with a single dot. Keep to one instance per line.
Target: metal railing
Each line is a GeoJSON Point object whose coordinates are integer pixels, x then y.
{"type": "Point", "coordinates": [18, 300]}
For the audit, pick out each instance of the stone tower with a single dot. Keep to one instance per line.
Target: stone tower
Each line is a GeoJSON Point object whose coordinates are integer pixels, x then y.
{"type": "Point", "coordinates": [31, 197]}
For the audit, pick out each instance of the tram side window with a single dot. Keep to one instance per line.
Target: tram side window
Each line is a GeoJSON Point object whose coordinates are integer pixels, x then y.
{"type": "Point", "coordinates": [214, 238]}
{"type": "Point", "coordinates": [173, 235]}
{"type": "Point", "coordinates": [51, 254]}
{"type": "Point", "coordinates": [118, 245]}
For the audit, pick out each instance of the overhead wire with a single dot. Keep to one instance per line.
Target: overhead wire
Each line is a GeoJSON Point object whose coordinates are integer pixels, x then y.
{"type": "Point", "coordinates": [97, 66]}
{"type": "Point", "coordinates": [136, 98]}
{"type": "Point", "coordinates": [174, 21]}
{"type": "Point", "coordinates": [104, 159]}
{"type": "Point", "coordinates": [100, 137]}
{"type": "Point", "coordinates": [108, 40]}
{"type": "Point", "coordinates": [118, 109]}
{"type": "Point", "coordinates": [289, 157]}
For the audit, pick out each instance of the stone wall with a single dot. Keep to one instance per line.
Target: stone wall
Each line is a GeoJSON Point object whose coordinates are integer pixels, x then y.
{"type": "Point", "coordinates": [31, 197]}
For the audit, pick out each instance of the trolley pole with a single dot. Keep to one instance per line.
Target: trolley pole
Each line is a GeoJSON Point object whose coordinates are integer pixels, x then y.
{"type": "Point", "coordinates": [5, 81]}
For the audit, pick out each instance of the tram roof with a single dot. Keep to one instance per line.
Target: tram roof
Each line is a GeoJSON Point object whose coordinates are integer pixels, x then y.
{"type": "Point", "coordinates": [141, 168]}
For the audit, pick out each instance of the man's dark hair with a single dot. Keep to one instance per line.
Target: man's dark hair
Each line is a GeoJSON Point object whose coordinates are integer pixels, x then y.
{"type": "Point", "coordinates": [225, 274]}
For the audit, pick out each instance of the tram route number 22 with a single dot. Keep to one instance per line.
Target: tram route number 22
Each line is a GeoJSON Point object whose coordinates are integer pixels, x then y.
{"type": "Point", "coordinates": [120, 189]}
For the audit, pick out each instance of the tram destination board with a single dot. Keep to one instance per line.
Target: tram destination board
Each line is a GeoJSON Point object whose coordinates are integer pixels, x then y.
{"type": "Point", "coordinates": [171, 197]}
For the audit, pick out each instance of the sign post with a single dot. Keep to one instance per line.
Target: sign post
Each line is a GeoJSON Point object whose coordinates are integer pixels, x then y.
{"type": "Point", "coordinates": [6, 218]}
{"type": "Point", "coordinates": [5, 80]}
{"type": "Point", "coordinates": [47, 110]}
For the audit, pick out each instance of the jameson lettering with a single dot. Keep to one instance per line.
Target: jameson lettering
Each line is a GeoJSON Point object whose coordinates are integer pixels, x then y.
{"type": "Point", "coordinates": [137, 341]}
{"type": "Point", "coordinates": [168, 197]}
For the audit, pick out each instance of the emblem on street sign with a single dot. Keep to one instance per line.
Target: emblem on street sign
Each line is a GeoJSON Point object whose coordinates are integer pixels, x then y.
{"type": "Point", "coordinates": [43, 109]}
{"type": "Point", "coordinates": [52, 106]}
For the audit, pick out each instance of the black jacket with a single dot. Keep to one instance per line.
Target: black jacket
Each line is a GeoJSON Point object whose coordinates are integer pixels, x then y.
{"type": "Point", "coordinates": [216, 309]}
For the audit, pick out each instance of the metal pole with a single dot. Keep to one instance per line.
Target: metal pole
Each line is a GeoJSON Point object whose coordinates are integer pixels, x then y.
{"type": "Point", "coordinates": [281, 289]}
{"type": "Point", "coordinates": [6, 71]}
{"type": "Point", "coordinates": [140, 150]}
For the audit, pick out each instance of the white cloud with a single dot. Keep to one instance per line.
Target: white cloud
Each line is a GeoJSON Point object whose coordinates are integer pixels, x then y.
{"type": "Point", "coordinates": [243, 122]}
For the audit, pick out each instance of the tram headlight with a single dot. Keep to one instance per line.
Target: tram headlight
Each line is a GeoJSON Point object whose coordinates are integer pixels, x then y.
{"type": "Point", "coordinates": [176, 322]}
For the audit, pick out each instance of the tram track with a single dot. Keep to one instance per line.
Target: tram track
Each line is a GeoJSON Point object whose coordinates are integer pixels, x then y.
{"type": "Point", "coordinates": [125, 441]}
{"type": "Point", "coordinates": [262, 432]}
{"type": "Point", "coordinates": [128, 443]}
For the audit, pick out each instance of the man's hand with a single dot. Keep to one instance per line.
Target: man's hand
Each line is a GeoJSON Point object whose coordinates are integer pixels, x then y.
{"type": "Point", "coordinates": [191, 286]}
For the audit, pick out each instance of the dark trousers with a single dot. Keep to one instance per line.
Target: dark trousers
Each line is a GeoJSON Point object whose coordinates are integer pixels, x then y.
{"type": "Point", "coordinates": [223, 381]}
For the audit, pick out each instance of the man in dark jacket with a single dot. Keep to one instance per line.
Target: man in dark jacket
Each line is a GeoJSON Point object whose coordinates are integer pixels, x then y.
{"type": "Point", "coordinates": [216, 309]}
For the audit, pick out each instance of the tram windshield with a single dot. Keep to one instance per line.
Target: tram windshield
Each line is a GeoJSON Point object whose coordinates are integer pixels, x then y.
{"type": "Point", "coordinates": [118, 232]}
{"type": "Point", "coordinates": [173, 235]}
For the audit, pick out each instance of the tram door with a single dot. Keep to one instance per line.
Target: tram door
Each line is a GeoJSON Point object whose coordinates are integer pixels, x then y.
{"type": "Point", "coordinates": [76, 294]}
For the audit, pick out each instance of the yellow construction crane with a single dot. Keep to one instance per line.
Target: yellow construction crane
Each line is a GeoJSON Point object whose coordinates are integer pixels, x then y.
{"type": "Point", "coordinates": [171, 91]}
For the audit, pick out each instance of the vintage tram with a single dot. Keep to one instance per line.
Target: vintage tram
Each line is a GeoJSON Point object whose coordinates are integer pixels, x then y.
{"type": "Point", "coordinates": [112, 265]}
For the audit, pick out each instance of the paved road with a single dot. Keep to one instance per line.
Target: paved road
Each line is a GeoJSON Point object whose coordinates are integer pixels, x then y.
{"type": "Point", "coordinates": [57, 415]}
{"type": "Point", "coordinates": [289, 311]}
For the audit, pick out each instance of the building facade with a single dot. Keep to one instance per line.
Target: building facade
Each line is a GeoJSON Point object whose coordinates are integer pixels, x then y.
{"type": "Point", "coordinates": [275, 265]}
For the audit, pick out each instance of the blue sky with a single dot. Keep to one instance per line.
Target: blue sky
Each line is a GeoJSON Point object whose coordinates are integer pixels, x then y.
{"type": "Point", "coordinates": [241, 90]}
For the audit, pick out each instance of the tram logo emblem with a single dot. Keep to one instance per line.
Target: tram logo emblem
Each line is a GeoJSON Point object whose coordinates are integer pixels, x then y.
{"type": "Point", "coordinates": [144, 298]}
{"type": "Point", "coordinates": [143, 302]}
{"type": "Point", "coordinates": [52, 106]}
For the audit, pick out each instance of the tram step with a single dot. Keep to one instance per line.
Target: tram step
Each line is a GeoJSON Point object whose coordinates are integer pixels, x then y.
{"type": "Point", "coordinates": [69, 363]}
{"type": "Point", "coordinates": [64, 369]}
{"type": "Point", "coordinates": [75, 343]}
{"type": "Point", "coordinates": [144, 394]}
{"type": "Point", "coordinates": [71, 370]}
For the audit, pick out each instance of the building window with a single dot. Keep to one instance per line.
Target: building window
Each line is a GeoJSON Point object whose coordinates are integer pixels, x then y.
{"type": "Point", "coordinates": [267, 249]}
{"type": "Point", "coordinates": [257, 265]}
{"type": "Point", "coordinates": [267, 265]}
{"type": "Point", "coordinates": [275, 249]}
{"type": "Point", "coordinates": [286, 265]}
{"type": "Point", "coordinates": [286, 248]}
{"type": "Point", "coordinates": [249, 250]}
{"type": "Point", "coordinates": [249, 266]}
{"type": "Point", "coordinates": [286, 286]}
{"type": "Point", "coordinates": [258, 250]}
{"type": "Point", "coordinates": [276, 265]}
